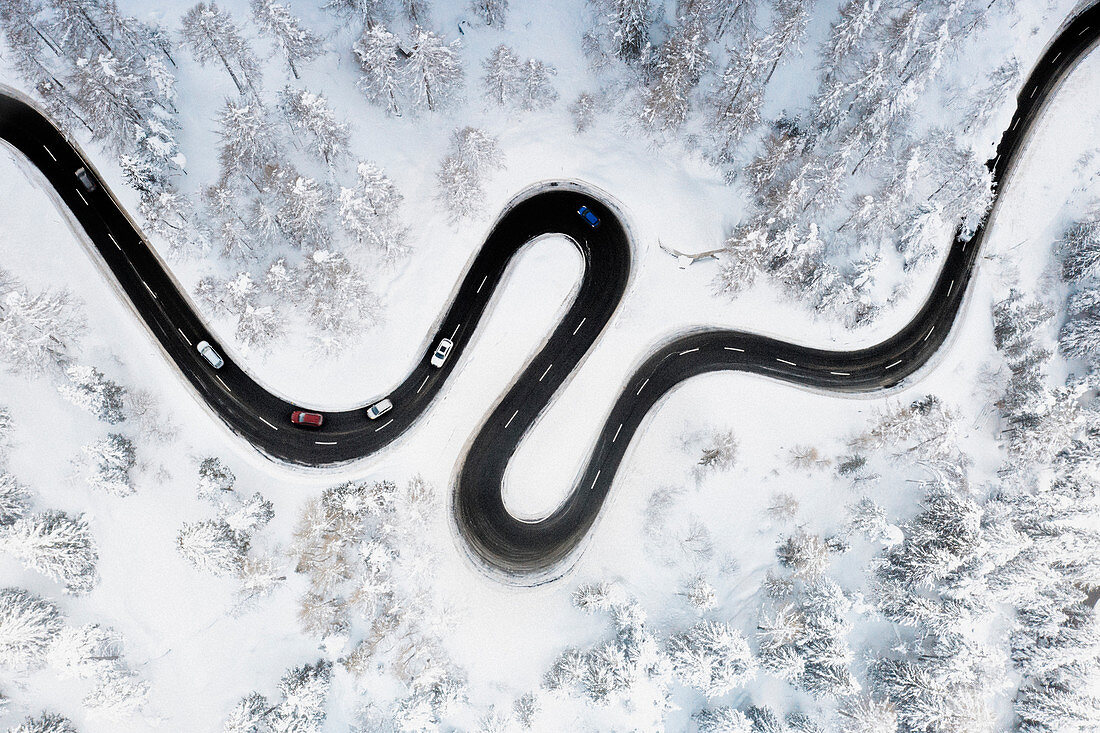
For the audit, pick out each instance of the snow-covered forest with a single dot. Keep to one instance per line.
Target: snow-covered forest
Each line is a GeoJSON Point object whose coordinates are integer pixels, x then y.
{"type": "Point", "coordinates": [316, 174]}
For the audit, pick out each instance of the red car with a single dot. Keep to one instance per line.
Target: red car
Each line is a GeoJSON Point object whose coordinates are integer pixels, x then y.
{"type": "Point", "coordinates": [307, 419]}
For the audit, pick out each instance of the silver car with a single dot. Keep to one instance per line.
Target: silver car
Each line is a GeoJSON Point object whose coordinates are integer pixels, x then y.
{"type": "Point", "coordinates": [442, 352]}
{"type": "Point", "coordinates": [209, 354]}
{"type": "Point", "coordinates": [380, 408]}
{"type": "Point", "coordinates": [85, 180]}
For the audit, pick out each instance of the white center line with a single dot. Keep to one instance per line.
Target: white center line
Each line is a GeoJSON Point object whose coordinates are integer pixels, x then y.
{"type": "Point", "coordinates": [51, 154]}
{"type": "Point", "coordinates": [78, 193]}
{"type": "Point", "coordinates": [1033, 90]}
{"type": "Point", "coordinates": [513, 417]}
{"type": "Point", "coordinates": [841, 374]}
{"type": "Point", "coordinates": [184, 336]}
{"type": "Point", "coordinates": [689, 351]}
{"type": "Point", "coordinates": [733, 348]}
{"type": "Point", "coordinates": [950, 288]}
{"type": "Point", "coordinates": [929, 333]}
{"type": "Point", "coordinates": [1056, 56]}
{"type": "Point", "coordinates": [111, 237]}
{"type": "Point", "coordinates": [785, 361]}
{"type": "Point", "coordinates": [578, 328]}
{"type": "Point", "coordinates": [1084, 30]}
{"type": "Point", "coordinates": [545, 373]}
{"type": "Point", "coordinates": [894, 364]}
{"type": "Point", "coordinates": [422, 384]}
{"type": "Point", "coordinates": [222, 383]}
{"type": "Point", "coordinates": [1015, 123]}
{"type": "Point", "coordinates": [617, 433]}
{"type": "Point", "coordinates": [148, 288]}
{"type": "Point", "coordinates": [383, 425]}
{"type": "Point", "coordinates": [456, 330]}
{"type": "Point", "coordinates": [482, 283]}
{"type": "Point", "coordinates": [325, 442]}
{"type": "Point", "coordinates": [642, 387]}
{"type": "Point", "coordinates": [265, 422]}
{"type": "Point", "coordinates": [595, 480]}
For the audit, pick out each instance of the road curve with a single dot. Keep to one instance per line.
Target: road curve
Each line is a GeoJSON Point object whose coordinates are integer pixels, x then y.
{"type": "Point", "coordinates": [523, 552]}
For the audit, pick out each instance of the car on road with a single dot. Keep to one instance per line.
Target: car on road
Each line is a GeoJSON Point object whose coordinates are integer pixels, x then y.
{"type": "Point", "coordinates": [588, 216]}
{"type": "Point", "coordinates": [442, 352]}
{"type": "Point", "coordinates": [379, 408]}
{"type": "Point", "coordinates": [85, 179]}
{"type": "Point", "coordinates": [209, 354]}
{"type": "Point", "coordinates": [307, 419]}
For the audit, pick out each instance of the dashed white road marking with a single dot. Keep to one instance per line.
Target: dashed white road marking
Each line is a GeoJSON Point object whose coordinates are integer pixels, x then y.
{"type": "Point", "coordinates": [1056, 57]}
{"type": "Point", "coordinates": [51, 154]}
{"type": "Point", "coordinates": [928, 334]}
{"type": "Point", "coordinates": [422, 384]}
{"type": "Point", "coordinates": [545, 373]}
{"type": "Point", "coordinates": [578, 328]}
{"type": "Point", "coordinates": [689, 351]}
{"type": "Point", "coordinates": [617, 433]}
{"type": "Point", "coordinates": [383, 425]}
{"type": "Point", "coordinates": [456, 330]}
{"type": "Point", "coordinates": [513, 417]}
{"type": "Point", "coordinates": [950, 288]}
{"type": "Point", "coordinates": [112, 238]}
{"type": "Point", "coordinates": [841, 374]}
{"type": "Point", "coordinates": [785, 361]}
{"type": "Point", "coordinates": [895, 364]}
{"type": "Point", "coordinates": [185, 337]}
{"type": "Point", "coordinates": [733, 348]}
{"type": "Point", "coordinates": [149, 289]}
{"type": "Point", "coordinates": [78, 193]}
{"type": "Point", "coordinates": [595, 480]}
{"type": "Point", "coordinates": [325, 442]}
{"type": "Point", "coordinates": [1015, 123]}
{"type": "Point", "coordinates": [224, 384]}
{"type": "Point", "coordinates": [265, 422]}
{"type": "Point", "coordinates": [482, 283]}
{"type": "Point", "coordinates": [642, 387]}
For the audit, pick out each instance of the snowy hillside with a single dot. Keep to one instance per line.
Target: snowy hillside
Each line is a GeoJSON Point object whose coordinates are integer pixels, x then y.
{"type": "Point", "coordinates": [318, 175]}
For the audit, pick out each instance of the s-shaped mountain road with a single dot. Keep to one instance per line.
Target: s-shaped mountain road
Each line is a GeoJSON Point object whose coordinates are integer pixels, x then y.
{"type": "Point", "coordinates": [519, 551]}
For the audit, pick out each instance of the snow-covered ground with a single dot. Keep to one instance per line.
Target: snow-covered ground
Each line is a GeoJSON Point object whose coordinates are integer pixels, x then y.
{"type": "Point", "coordinates": [199, 659]}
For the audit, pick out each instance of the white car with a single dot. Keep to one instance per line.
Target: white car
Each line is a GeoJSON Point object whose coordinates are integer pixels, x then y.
{"type": "Point", "coordinates": [209, 354]}
{"type": "Point", "coordinates": [380, 408]}
{"type": "Point", "coordinates": [85, 180]}
{"type": "Point", "coordinates": [442, 352]}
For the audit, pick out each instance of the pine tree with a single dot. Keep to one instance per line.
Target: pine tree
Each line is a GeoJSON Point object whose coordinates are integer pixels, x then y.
{"type": "Point", "coordinates": [29, 625]}
{"type": "Point", "coordinates": [296, 43]}
{"type": "Point", "coordinates": [248, 144]}
{"type": "Point", "coordinates": [369, 212]}
{"type": "Point", "coordinates": [90, 389]}
{"type": "Point", "coordinates": [37, 332]}
{"type": "Point", "coordinates": [45, 723]}
{"type": "Point", "coordinates": [432, 71]}
{"type": "Point", "coordinates": [212, 36]}
{"type": "Point", "coordinates": [492, 12]}
{"type": "Point", "coordinates": [381, 82]}
{"type": "Point", "coordinates": [712, 657]}
{"type": "Point", "coordinates": [304, 690]}
{"type": "Point", "coordinates": [682, 61]}
{"type": "Point", "coordinates": [111, 460]}
{"type": "Point", "coordinates": [56, 545]}
{"type": "Point", "coordinates": [14, 499]}
{"type": "Point", "coordinates": [502, 75]}
{"type": "Point", "coordinates": [311, 113]}
{"type": "Point", "coordinates": [213, 546]}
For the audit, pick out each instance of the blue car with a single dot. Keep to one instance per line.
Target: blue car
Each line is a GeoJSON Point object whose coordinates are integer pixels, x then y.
{"type": "Point", "coordinates": [588, 216]}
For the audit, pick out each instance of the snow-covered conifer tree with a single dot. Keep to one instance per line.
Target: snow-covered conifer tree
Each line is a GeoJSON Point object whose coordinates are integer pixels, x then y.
{"type": "Point", "coordinates": [56, 545]}
{"type": "Point", "coordinates": [296, 43]}
{"type": "Point", "coordinates": [711, 656]}
{"type": "Point", "coordinates": [432, 72]}
{"type": "Point", "coordinates": [212, 36]}
{"type": "Point", "coordinates": [493, 12]}
{"type": "Point", "coordinates": [369, 212]}
{"type": "Point", "coordinates": [90, 389]}
{"type": "Point", "coordinates": [381, 82]}
{"type": "Point", "coordinates": [14, 499]}
{"type": "Point", "coordinates": [110, 461]}
{"type": "Point", "coordinates": [212, 545]}
{"type": "Point", "coordinates": [29, 625]}
{"type": "Point", "coordinates": [37, 332]}
{"type": "Point", "coordinates": [46, 723]}
{"type": "Point", "coordinates": [310, 113]}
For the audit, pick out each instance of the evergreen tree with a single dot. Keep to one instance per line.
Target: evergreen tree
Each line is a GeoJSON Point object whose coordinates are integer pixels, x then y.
{"type": "Point", "coordinates": [29, 625]}
{"type": "Point", "coordinates": [213, 546]}
{"type": "Point", "coordinates": [433, 72]}
{"type": "Point", "coordinates": [212, 36]}
{"type": "Point", "coordinates": [56, 545]}
{"type": "Point", "coordinates": [296, 43]}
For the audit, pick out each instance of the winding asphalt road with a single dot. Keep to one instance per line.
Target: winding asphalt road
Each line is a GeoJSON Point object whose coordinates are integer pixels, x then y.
{"type": "Point", "coordinates": [525, 552]}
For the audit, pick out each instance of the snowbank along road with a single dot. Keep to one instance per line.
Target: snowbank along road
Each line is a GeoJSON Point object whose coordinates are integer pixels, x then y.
{"type": "Point", "coordinates": [524, 552]}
